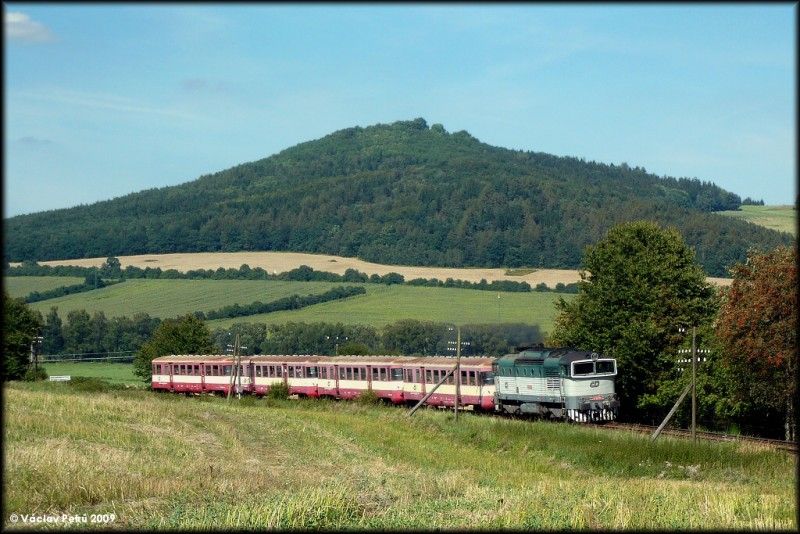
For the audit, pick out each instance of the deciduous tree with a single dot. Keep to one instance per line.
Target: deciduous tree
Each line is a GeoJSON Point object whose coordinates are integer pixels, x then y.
{"type": "Point", "coordinates": [757, 327]}
{"type": "Point", "coordinates": [184, 335]}
{"type": "Point", "coordinates": [20, 326]}
{"type": "Point", "coordinates": [638, 285]}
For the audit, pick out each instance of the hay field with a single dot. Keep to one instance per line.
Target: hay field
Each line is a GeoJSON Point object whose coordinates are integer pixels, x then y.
{"type": "Point", "coordinates": [278, 262]}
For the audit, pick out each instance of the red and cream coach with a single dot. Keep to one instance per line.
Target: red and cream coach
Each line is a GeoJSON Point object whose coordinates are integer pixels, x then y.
{"type": "Point", "coordinates": [398, 379]}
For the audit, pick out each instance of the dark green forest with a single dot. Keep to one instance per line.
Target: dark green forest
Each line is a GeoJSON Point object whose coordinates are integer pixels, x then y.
{"type": "Point", "coordinates": [403, 193]}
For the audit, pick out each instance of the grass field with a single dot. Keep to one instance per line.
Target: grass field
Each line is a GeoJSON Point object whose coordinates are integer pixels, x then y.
{"type": "Point", "coordinates": [22, 286]}
{"type": "Point", "coordinates": [781, 218]}
{"type": "Point", "coordinates": [386, 304]}
{"type": "Point", "coordinates": [170, 298]}
{"type": "Point", "coordinates": [160, 461]}
{"type": "Point", "coordinates": [116, 373]}
{"type": "Point", "coordinates": [379, 306]}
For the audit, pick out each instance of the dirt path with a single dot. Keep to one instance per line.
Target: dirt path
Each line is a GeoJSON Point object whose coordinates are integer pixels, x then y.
{"type": "Point", "coordinates": [278, 262]}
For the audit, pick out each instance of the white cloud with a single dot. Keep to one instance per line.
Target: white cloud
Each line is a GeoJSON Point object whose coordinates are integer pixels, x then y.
{"type": "Point", "coordinates": [20, 27]}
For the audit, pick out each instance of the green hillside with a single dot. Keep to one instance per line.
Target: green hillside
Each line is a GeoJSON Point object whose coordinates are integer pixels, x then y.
{"type": "Point", "coordinates": [780, 218]}
{"type": "Point", "coordinates": [170, 298]}
{"type": "Point", "coordinates": [381, 304]}
{"type": "Point", "coordinates": [403, 193]}
{"type": "Point", "coordinates": [22, 286]}
{"type": "Point", "coordinates": [386, 304]}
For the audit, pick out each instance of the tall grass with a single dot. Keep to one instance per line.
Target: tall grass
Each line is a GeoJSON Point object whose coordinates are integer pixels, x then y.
{"type": "Point", "coordinates": [167, 461]}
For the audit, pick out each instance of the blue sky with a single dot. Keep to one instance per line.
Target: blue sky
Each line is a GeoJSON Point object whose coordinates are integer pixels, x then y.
{"type": "Point", "coordinates": [105, 100]}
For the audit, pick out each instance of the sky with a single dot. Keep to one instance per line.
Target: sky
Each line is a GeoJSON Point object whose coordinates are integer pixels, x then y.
{"type": "Point", "coordinates": [102, 100]}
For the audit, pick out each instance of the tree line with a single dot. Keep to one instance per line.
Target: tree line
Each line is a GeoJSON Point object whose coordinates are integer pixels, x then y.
{"type": "Point", "coordinates": [110, 269]}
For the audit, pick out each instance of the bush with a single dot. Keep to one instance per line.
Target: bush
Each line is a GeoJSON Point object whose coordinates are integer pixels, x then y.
{"type": "Point", "coordinates": [34, 374]}
{"type": "Point", "coordinates": [369, 398]}
{"type": "Point", "coordinates": [91, 384]}
{"type": "Point", "coordinates": [278, 391]}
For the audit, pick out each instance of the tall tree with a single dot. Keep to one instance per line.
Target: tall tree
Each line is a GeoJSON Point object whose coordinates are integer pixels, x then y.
{"type": "Point", "coordinates": [638, 285]}
{"type": "Point", "coordinates": [757, 327]}
{"type": "Point", "coordinates": [52, 335]}
{"type": "Point", "coordinates": [184, 335]}
{"type": "Point", "coordinates": [20, 326]}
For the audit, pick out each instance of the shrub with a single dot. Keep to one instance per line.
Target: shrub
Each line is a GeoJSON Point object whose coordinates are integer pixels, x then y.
{"type": "Point", "coordinates": [278, 391]}
{"type": "Point", "coordinates": [34, 374]}
{"type": "Point", "coordinates": [368, 397]}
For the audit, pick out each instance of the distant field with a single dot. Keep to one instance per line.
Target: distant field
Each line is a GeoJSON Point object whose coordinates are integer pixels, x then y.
{"type": "Point", "coordinates": [22, 286]}
{"type": "Point", "coordinates": [170, 298]}
{"type": "Point", "coordinates": [781, 218]}
{"type": "Point", "coordinates": [116, 373]}
{"type": "Point", "coordinates": [387, 304]}
{"type": "Point", "coordinates": [279, 262]}
{"type": "Point", "coordinates": [163, 461]}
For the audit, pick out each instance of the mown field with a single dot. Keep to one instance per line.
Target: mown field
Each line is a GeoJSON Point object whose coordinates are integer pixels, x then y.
{"type": "Point", "coordinates": [22, 286]}
{"type": "Point", "coordinates": [379, 306]}
{"type": "Point", "coordinates": [115, 373]}
{"type": "Point", "coordinates": [781, 218]}
{"type": "Point", "coordinates": [160, 461]}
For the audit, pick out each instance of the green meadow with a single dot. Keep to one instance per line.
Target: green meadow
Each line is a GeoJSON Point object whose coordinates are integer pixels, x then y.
{"type": "Point", "coordinates": [781, 218]}
{"type": "Point", "coordinates": [381, 304]}
{"type": "Point", "coordinates": [115, 373]}
{"type": "Point", "coordinates": [162, 461]}
{"type": "Point", "coordinates": [170, 298]}
{"type": "Point", "coordinates": [22, 286]}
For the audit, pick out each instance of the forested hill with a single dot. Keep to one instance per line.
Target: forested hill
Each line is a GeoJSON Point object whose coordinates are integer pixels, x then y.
{"type": "Point", "coordinates": [403, 193]}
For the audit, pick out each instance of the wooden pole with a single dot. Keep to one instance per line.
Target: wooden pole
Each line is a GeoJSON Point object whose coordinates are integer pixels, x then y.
{"type": "Point", "coordinates": [423, 399]}
{"type": "Point", "coordinates": [694, 386]}
{"type": "Point", "coordinates": [671, 412]}
{"type": "Point", "coordinates": [458, 371]}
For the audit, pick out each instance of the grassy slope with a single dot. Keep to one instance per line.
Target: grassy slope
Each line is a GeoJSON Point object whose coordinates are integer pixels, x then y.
{"type": "Point", "coordinates": [170, 298]}
{"type": "Point", "coordinates": [381, 305]}
{"type": "Point", "coordinates": [167, 461]}
{"type": "Point", "coordinates": [116, 373]}
{"type": "Point", "coordinates": [781, 218]}
{"type": "Point", "coordinates": [386, 304]}
{"type": "Point", "coordinates": [22, 286]}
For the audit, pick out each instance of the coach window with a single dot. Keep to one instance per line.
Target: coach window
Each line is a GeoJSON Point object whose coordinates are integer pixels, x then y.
{"type": "Point", "coordinates": [311, 372]}
{"type": "Point", "coordinates": [452, 378]}
{"type": "Point", "coordinates": [397, 374]}
{"type": "Point", "coordinates": [258, 371]}
{"type": "Point", "coordinates": [279, 370]}
{"type": "Point", "coordinates": [375, 374]}
{"type": "Point", "coordinates": [487, 378]}
{"type": "Point", "coordinates": [349, 373]}
{"type": "Point", "coordinates": [464, 377]}
{"type": "Point", "coordinates": [290, 372]}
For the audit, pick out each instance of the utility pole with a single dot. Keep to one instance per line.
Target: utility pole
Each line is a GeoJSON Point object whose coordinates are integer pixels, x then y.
{"type": "Point", "coordinates": [234, 369]}
{"type": "Point", "coordinates": [694, 385]}
{"type": "Point", "coordinates": [35, 344]}
{"type": "Point", "coordinates": [458, 371]}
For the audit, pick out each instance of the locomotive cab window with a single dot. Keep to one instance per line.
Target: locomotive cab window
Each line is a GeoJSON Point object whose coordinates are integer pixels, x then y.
{"type": "Point", "coordinates": [605, 367]}
{"type": "Point", "coordinates": [582, 368]}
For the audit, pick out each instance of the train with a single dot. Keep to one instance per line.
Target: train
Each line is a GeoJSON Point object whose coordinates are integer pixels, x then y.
{"type": "Point", "coordinates": [562, 383]}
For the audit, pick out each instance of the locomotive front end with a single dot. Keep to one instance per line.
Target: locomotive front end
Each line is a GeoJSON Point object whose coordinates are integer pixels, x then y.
{"type": "Point", "coordinates": [588, 389]}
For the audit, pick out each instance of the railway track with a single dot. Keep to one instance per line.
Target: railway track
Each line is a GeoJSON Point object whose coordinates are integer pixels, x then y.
{"type": "Point", "coordinates": [790, 446]}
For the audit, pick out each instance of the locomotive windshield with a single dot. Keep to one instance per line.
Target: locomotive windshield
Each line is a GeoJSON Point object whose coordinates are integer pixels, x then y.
{"type": "Point", "coordinates": [599, 367]}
